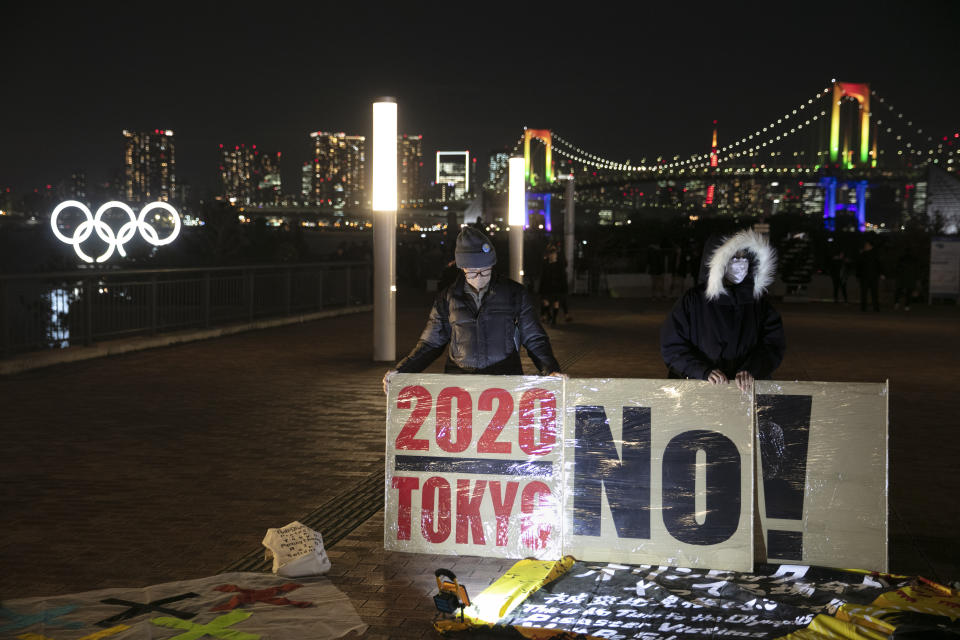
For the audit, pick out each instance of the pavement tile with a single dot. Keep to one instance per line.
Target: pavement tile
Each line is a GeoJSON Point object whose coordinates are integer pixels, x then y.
{"type": "Point", "coordinates": [409, 614]}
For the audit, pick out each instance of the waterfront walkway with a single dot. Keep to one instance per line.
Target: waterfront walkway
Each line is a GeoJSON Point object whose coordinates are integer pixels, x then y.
{"type": "Point", "coordinates": [171, 463]}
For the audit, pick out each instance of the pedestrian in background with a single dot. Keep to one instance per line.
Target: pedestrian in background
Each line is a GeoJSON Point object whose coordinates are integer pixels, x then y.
{"type": "Point", "coordinates": [908, 273]}
{"type": "Point", "coordinates": [725, 329]}
{"type": "Point", "coordinates": [839, 274]}
{"type": "Point", "coordinates": [482, 320]}
{"type": "Point", "coordinates": [869, 273]}
{"type": "Point", "coordinates": [553, 287]}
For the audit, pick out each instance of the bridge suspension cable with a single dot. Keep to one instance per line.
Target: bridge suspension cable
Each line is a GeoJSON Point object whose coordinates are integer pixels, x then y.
{"type": "Point", "coordinates": [773, 138]}
{"type": "Point", "coordinates": [928, 152]}
{"type": "Point", "coordinates": [781, 121]}
{"type": "Point", "coordinates": [768, 137]}
{"type": "Point", "coordinates": [578, 154]}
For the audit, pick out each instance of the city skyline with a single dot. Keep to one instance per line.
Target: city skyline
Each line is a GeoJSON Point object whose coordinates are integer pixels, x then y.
{"type": "Point", "coordinates": [647, 88]}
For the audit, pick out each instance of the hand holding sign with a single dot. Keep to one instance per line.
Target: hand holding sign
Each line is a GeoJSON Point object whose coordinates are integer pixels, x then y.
{"type": "Point", "coordinates": [745, 381]}
{"type": "Point", "coordinates": [717, 377]}
{"type": "Point", "coordinates": [387, 377]}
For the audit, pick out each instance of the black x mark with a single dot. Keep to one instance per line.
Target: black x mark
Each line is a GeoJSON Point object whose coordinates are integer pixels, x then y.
{"type": "Point", "coordinates": [138, 608]}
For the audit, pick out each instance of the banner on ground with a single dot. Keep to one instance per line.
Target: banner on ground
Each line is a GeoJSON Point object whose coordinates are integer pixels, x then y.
{"type": "Point", "coordinates": [773, 602]}
{"type": "Point", "coordinates": [233, 606]}
{"type": "Point", "coordinates": [639, 471]}
{"type": "Point", "coordinates": [822, 472]}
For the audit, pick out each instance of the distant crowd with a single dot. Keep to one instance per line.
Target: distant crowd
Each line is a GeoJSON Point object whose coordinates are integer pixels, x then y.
{"type": "Point", "coordinates": [900, 263]}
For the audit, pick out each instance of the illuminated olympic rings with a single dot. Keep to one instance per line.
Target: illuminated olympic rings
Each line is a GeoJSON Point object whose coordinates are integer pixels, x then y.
{"type": "Point", "coordinates": [115, 241]}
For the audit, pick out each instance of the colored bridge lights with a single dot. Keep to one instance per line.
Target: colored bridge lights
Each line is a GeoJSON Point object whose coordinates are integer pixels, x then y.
{"type": "Point", "coordinates": [546, 136]}
{"type": "Point", "coordinates": [861, 93]}
{"type": "Point", "coordinates": [830, 207]}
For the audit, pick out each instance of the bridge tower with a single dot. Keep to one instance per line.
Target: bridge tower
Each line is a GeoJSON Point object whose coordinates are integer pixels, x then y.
{"type": "Point", "coordinates": [861, 93]}
{"type": "Point", "coordinates": [545, 136]}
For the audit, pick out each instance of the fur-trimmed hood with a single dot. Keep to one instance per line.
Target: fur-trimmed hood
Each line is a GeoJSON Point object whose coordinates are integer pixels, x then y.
{"type": "Point", "coordinates": [763, 260]}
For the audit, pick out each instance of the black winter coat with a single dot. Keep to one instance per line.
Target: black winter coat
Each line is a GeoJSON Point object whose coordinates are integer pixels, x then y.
{"type": "Point", "coordinates": [737, 331]}
{"type": "Point", "coordinates": [869, 268]}
{"type": "Point", "coordinates": [733, 333]}
{"type": "Point", "coordinates": [553, 278]}
{"type": "Point", "coordinates": [485, 340]}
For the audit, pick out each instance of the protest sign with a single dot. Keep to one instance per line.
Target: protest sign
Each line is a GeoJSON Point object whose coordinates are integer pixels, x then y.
{"type": "Point", "coordinates": [822, 472]}
{"type": "Point", "coordinates": [659, 472]}
{"type": "Point", "coordinates": [474, 465]}
{"type": "Point", "coordinates": [643, 471]}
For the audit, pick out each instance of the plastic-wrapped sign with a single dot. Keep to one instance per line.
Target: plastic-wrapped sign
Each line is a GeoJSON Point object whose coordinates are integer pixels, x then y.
{"type": "Point", "coordinates": [822, 465]}
{"type": "Point", "coordinates": [474, 465]}
{"type": "Point", "coordinates": [659, 472]}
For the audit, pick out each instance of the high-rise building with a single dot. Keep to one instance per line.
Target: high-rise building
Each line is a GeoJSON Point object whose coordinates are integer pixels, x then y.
{"type": "Point", "coordinates": [248, 176]}
{"type": "Point", "coordinates": [409, 163]}
{"type": "Point", "coordinates": [339, 170]}
{"type": "Point", "coordinates": [73, 187]}
{"type": "Point", "coordinates": [149, 165]}
{"type": "Point", "coordinates": [453, 167]}
{"type": "Point", "coordinates": [441, 191]}
{"type": "Point", "coordinates": [306, 182]}
{"type": "Point", "coordinates": [269, 186]}
{"type": "Point", "coordinates": [497, 168]}
{"type": "Point", "coordinates": [235, 170]}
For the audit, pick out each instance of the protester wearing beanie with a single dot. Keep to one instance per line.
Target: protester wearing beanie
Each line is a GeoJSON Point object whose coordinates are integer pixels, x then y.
{"type": "Point", "coordinates": [482, 319]}
{"type": "Point", "coordinates": [474, 250]}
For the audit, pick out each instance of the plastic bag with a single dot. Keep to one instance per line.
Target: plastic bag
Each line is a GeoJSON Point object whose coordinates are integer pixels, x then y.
{"type": "Point", "coordinates": [297, 551]}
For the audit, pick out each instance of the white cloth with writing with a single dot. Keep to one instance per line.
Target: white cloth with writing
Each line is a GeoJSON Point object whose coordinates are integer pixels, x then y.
{"type": "Point", "coordinates": [297, 551]}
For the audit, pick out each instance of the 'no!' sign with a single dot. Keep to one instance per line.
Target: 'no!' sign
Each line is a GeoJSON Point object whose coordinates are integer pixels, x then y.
{"type": "Point", "coordinates": [659, 472]}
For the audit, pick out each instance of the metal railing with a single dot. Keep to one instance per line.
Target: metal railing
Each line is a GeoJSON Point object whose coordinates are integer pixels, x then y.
{"type": "Point", "coordinates": [54, 310]}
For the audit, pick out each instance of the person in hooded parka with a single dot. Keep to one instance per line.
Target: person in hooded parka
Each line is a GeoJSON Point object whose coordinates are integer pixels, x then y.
{"type": "Point", "coordinates": [724, 328]}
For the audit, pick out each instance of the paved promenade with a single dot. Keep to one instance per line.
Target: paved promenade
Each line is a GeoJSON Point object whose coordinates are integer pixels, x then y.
{"type": "Point", "coordinates": [171, 463]}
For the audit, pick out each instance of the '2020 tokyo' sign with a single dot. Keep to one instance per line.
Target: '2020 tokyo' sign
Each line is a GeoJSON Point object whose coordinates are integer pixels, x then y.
{"type": "Point", "coordinates": [115, 241]}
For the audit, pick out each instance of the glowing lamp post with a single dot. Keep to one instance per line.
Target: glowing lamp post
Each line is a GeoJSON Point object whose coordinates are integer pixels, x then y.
{"type": "Point", "coordinates": [384, 230]}
{"type": "Point", "coordinates": [516, 216]}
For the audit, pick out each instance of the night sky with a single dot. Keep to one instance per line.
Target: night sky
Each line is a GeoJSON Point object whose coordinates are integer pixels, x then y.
{"type": "Point", "coordinates": [621, 80]}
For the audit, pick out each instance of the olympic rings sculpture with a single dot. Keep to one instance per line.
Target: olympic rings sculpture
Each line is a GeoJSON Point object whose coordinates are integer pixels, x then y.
{"type": "Point", "coordinates": [115, 241]}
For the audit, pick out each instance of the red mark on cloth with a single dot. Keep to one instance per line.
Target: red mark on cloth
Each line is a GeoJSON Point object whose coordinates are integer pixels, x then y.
{"type": "Point", "coordinates": [252, 596]}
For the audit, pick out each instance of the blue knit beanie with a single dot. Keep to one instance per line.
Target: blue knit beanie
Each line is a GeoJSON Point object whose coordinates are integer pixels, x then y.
{"type": "Point", "coordinates": [474, 250]}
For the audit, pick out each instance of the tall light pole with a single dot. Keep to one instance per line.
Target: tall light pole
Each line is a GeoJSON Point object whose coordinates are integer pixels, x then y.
{"type": "Point", "coordinates": [516, 215]}
{"type": "Point", "coordinates": [384, 230]}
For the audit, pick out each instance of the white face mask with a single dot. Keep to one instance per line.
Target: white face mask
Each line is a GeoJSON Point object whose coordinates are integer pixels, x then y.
{"type": "Point", "coordinates": [478, 279]}
{"type": "Point", "coordinates": [737, 270]}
